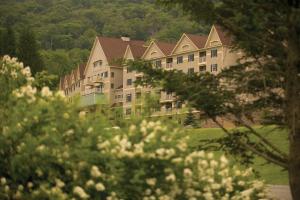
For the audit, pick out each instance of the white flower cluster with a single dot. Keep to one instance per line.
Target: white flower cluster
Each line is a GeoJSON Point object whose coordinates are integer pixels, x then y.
{"type": "Point", "coordinates": [11, 67]}
{"type": "Point", "coordinates": [191, 176]}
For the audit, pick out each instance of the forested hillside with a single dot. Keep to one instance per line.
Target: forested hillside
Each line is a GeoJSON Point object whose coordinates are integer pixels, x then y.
{"type": "Point", "coordinates": [65, 29]}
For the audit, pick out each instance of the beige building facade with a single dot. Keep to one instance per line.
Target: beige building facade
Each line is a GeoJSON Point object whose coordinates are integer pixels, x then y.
{"type": "Point", "coordinates": [104, 80]}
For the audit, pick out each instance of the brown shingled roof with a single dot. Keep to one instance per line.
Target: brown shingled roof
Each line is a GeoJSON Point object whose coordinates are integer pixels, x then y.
{"type": "Point", "coordinates": [225, 38]}
{"type": "Point", "coordinates": [198, 40]}
{"type": "Point", "coordinates": [114, 48]}
{"type": "Point", "coordinates": [165, 47]}
{"type": "Point", "coordinates": [81, 70]}
{"type": "Point", "coordinates": [137, 50]}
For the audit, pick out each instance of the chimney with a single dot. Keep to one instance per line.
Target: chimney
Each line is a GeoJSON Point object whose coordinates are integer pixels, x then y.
{"type": "Point", "coordinates": [125, 39]}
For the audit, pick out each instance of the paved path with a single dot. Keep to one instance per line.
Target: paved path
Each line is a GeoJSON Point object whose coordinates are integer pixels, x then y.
{"type": "Point", "coordinates": [280, 192]}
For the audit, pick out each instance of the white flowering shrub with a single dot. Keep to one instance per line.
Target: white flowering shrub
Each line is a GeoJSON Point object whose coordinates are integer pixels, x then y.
{"type": "Point", "coordinates": [51, 150]}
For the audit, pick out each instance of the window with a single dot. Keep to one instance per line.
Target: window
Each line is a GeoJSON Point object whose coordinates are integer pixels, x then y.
{"type": "Point", "coordinates": [214, 67]}
{"type": "Point", "coordinates": [202, 56]}
{"type": "Point", "coordinates": [190, 71]}
{"type": "Point", "coordinates": [129, 81]}
{"type": "Point", "coordinates": [112, 86]}
{"type": "Point", "coordinates": [128, 111]}
{"type": "Point", "coordinates": [105, 74]}
{"type": "Point", "coordinates": [191, 58]}
{"type": "Point", "coordinates": [168, 106]}
{"type": "Point", "coordinates": [202, 68]}
{"type": "Point", "coordinates": [214, 53]}
{"type": "Point", "coordinates": [112, 74]}
{"type": "Point", "coordinates": [97, 63]}
{"type": "Point", "coordinates": [157, 64]}
{"type": "Point", "coordinates": [179, 59]}
{"type": "Point", "coordinates": [169, 62]}
{"type": "Point", "coordinates": [128, 98]}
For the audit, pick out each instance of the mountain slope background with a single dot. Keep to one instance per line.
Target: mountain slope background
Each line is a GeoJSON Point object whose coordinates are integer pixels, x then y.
{"type": "Point", "coordinates": [65, 29]}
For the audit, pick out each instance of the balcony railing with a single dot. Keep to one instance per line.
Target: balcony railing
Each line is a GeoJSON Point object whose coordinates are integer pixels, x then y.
{"type": "Point", "coordinates": [202, 59]}
{"type": "Point", "coordinates": [94, 98]}
{"type": "Point", "coordinates": [169, 65]}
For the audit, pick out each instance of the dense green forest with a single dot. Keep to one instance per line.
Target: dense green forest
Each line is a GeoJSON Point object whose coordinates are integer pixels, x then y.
{"type": "Point", "coordinates": [65, 29]}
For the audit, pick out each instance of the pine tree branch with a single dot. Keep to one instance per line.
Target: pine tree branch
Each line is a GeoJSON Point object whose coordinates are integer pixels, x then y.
{"type": "Point", "coordinates": [274, 159]}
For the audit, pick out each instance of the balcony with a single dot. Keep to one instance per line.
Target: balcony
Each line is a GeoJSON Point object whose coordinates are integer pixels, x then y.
{"type": "Point", "coordinates": [202, 59]}
{"type": "Point", "coordinates": [94, 98]}
{"type": "Point", "coordinates": [169, 65]}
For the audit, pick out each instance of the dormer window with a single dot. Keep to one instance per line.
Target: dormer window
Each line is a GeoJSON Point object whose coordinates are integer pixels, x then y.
{"type": "Point", "coordinates": [185, 47]}
{"type": "Point", "coordinates": [98, 63]}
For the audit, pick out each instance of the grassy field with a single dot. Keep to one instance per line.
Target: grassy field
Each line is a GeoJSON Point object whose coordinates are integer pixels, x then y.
{"type": "Point", "coordinates": [271, 173]}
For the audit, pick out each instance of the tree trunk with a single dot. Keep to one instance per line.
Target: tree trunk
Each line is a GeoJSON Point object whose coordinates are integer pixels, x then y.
{"type": "Point", "coordinates": [293, 103]}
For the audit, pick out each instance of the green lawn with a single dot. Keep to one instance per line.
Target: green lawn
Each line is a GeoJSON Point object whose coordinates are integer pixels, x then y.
{"type": "Point", "coordinates": [271, 173]}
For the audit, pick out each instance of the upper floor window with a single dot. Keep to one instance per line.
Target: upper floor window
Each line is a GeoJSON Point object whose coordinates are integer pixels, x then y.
{"type": "Point", "coordinates": [214, 53]}
{"type": "Point", "coordinates": [112, 86]}
{"type": "Point", "coordinates": [157, 64]}
{"type": "Point", "coordinates": [128, 98]}
{"type": "Point", "coordinates": [202, 68]}
{"type": "Point", "coordinates": [98, 63]}
{"type": "Point", "coordinates": [214, 67]}
{"type": "Point", "coordinates": [129, 81]}
{"type": "Point", "coordinates": [112, 74]}
{"type": "Point", "coordinates": [179, 59]}
{"type": "Point", "coordinates": [191, 57]}
{"type": "Point", "coordinates": [169, 62]}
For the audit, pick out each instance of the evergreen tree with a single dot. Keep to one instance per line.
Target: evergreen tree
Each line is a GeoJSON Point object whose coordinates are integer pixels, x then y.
{"type": "Point", "coordinates": [28, 51]}
{"type": "Point", "coordinates": [190, 119]}
{"type": "Point", "coordinates": [8, 42]}
{"type": "Point", "coordinates": [1, 42]}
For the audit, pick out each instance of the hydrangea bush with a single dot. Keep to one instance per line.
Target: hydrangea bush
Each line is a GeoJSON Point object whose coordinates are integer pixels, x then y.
{"type": "Point", "coordinates": [51, 150]}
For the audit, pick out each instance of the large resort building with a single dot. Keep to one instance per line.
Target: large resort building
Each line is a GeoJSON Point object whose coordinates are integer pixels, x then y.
{"type": "Point", "coordinates": [102, 80]}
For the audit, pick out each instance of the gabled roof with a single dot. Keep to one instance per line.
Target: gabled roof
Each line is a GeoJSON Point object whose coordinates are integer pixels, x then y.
{"type": "Point", "coordinates": [74, 74]}
{"type": "Point", "coordinates": [114, 48]}
{"type": "Point", "coordinates": [61, 83]}
{"type": "Point", "coordinates": [68, 79]}
{"type": "Point", "coordinates": [137, 50]}
{"type": "Point", "coordinates": [225, 38]}
{"type": "Point", "coordinates": [198, 40]}
{"type": "Point", "coordinates": [81, 69]}
{"type": "Point", "coordinates": [165, 47]}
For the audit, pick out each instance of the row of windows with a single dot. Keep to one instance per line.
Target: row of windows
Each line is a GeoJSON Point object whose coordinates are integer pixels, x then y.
{"type": "Point", "coordinates": [103, 75]}
{"type": "Point", "coordinates": [191, 58]}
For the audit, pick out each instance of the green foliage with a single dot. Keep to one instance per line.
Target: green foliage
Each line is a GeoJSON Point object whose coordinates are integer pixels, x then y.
{"type": "Point", "coordinates": [190, 119]}
{"type": "Point", "coordinates": [50, 150]}
{"type": "Point", "coordinates": [28, 51]}
{"type": "Point", "coordinates": [62, 27]}
{"type": "Point", "coordinates": [44, 79]}
{"type": "Point", "coordinates": [8, 41]}
{"type": "Point", "coordinates": [60, 62]}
